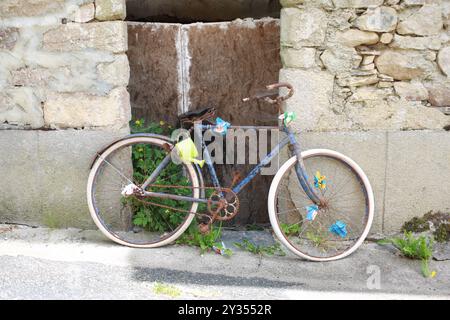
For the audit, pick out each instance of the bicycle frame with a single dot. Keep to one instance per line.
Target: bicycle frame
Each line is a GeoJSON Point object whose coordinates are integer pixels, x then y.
{"type": "Point", "coordinates": [289, 141]}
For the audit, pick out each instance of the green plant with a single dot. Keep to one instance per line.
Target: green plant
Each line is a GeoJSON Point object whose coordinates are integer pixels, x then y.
{"type": "Point", "coordinates": [319, 239]}
{"type": "Point", "coordinates": [145, 158]}
{"type": "Point", "coordinates": [193, 237]}
{"type": "Point", "coordinates": [290, 229]}
{"type": "Point", "coordinates": [412, 247]}
{"type": "Point", "coordinates": [249, 246]}
{"type": "Point", "coordinates": [154, 218]}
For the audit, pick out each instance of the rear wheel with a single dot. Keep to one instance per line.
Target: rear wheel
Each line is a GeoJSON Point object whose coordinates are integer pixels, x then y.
{"type": "Point", "coordinates": [329, 231]}
{"type": "Point", "coordinates": [131, 220]}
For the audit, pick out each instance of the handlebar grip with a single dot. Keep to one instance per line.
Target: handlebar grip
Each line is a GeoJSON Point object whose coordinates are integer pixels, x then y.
{"type": "Point", "coordinates": [267, 95]}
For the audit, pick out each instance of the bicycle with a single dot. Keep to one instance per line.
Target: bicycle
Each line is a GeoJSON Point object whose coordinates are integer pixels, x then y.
{"type": "Point", "coordinates": [320, 202]}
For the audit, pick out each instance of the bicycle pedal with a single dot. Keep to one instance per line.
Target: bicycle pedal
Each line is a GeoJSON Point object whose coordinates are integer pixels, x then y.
{"type": "Point", "coordinates": [204, 228]}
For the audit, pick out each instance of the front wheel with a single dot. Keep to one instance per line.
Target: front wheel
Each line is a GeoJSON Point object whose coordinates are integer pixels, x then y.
{"type": "Point", "coordinates": [132, 220]}
{"type": "Point", "coordinates": [333, 229]}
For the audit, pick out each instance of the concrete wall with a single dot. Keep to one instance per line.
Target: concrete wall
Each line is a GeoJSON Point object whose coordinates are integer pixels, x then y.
{"type": "Point", "coordinates": [63, 78]}
{"type": "Point", "coordinates": [408, 170]}
{"type": "Point", "coordinates": [371, 77]}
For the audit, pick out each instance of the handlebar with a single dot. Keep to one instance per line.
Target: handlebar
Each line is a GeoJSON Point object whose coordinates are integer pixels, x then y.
{"type": "Point", "coordinates": [267, 95]}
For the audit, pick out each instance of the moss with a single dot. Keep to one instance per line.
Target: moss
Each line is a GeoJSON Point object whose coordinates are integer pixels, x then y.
{"type": "Point", "coordinates": [439, 220]}
{"type": "Point", "coordinates": [442, 233]}
{"type": "Point", "coordinates": [51, 221]}
{"type": "Point", "coordinates": [416, 224]}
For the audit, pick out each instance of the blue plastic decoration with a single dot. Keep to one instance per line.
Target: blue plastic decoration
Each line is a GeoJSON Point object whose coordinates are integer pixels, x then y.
{"type": "Point", "coordinates": [221, 126]}
{"type": "Point", "coordinates": [311, 212]}
{"type": "Point", "coordinates": [339, 228]}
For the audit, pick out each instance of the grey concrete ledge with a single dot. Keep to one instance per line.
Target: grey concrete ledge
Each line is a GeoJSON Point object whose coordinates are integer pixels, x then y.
{"type": "Point", "coordinates": [44, 173]}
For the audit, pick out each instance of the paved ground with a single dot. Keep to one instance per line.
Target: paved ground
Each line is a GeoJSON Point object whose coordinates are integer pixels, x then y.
{"type": "Point", "coordinates": [40, 263]}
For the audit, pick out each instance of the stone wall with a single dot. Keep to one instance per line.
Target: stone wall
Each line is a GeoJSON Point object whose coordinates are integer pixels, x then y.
{"type": "Point", "coordinates": [367, 64]}
{"type": "Point", "coordinates": [367, 73]}
{"type": "Point", "coordinates": [63, 78]}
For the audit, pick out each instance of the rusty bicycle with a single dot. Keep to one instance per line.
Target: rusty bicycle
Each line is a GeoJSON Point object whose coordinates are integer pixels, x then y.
{"type": "Point", "coordinates": [145, 190]}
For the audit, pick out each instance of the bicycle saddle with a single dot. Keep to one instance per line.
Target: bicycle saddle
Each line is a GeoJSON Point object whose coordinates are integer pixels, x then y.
{"type": "Point", "coordinates": [198, 115]}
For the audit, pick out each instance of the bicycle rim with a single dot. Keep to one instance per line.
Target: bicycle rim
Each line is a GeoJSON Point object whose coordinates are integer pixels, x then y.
{"type": "Point", "coordinates": [333, 231]}
{"type": "Point", "coordinates": [130, 220]}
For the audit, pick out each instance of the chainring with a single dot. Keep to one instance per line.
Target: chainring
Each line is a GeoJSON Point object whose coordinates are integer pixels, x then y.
{"type": "Point", "coordinates": [223, 208]}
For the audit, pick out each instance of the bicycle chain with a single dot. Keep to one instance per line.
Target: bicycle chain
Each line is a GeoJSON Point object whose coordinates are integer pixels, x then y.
{"type": "Point", "coordinates": [215, 214]}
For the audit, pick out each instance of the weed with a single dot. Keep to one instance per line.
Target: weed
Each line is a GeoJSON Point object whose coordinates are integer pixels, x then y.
{"type": "Point", "coordinates": [319, 239]}
{"type": "Point", "coordinates": [420, 248]}
{"type": "Point", "coordinates": [249, 246]}
{"type": "Point", "coordinates": [193, 237]}
{"type": "Point", "coordinates": [290, 229]}
{"type": "Point", "coordinates": [168, 290]}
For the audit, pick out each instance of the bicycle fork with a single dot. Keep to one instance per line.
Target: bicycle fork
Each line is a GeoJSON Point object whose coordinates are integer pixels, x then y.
{"type": "Point", "coordinates": [300, 170]}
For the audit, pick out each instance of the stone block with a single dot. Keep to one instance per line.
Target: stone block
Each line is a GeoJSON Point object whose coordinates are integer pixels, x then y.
{"type": "Point", "coordinates": [26, 8]}
{"type": "Point", "coordinates": [357, 3]}
{"type": "Point", "coordinates": [79, 110]}
{"type": "Point", "coordinates": [412, 91]}
{"type": "Point", "coordinates": [417, 43]}
{"type": "Point", "coordinates": [312, 100]}
{"type": "Point", "coordinates": [425, 22]}
{"type": "Point", "coordinates": [20, 107]}
{"type": "Point", "coordinates": [291, 3]}
{"type": "Point", "coordinates": [380, 19]}
{"type": "Point", "coordinates": [303, 27]}
{"type": "Point", "coordinates": [105, 36]}
{"type": "Point", "coordinates": [403, 65]}
{"type": "Point", "coordinates": [355, 37]}
{"type": "Point", "coordinates": [439, 93]}
{"type": "Point", "coordinates": [8, 38]}
{"type": "Point", "coordinates": [115, 73]}
{"type": "Point", "coordinates": [110, 10]}
{"type": "Point", "coordinates": [340, 59]}
{"type": "Point", "coordinates": [443, 60]}
{"type": "Point", "coordinates": [83, 14]}
{"type": "Point", "coordinates": [298, 58]}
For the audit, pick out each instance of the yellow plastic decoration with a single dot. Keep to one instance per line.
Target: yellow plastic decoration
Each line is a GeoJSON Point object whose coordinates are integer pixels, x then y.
{"type": "Point", "coordinates": [319, 181]}
{"type": "Point", "coordinates": [188, 152]}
